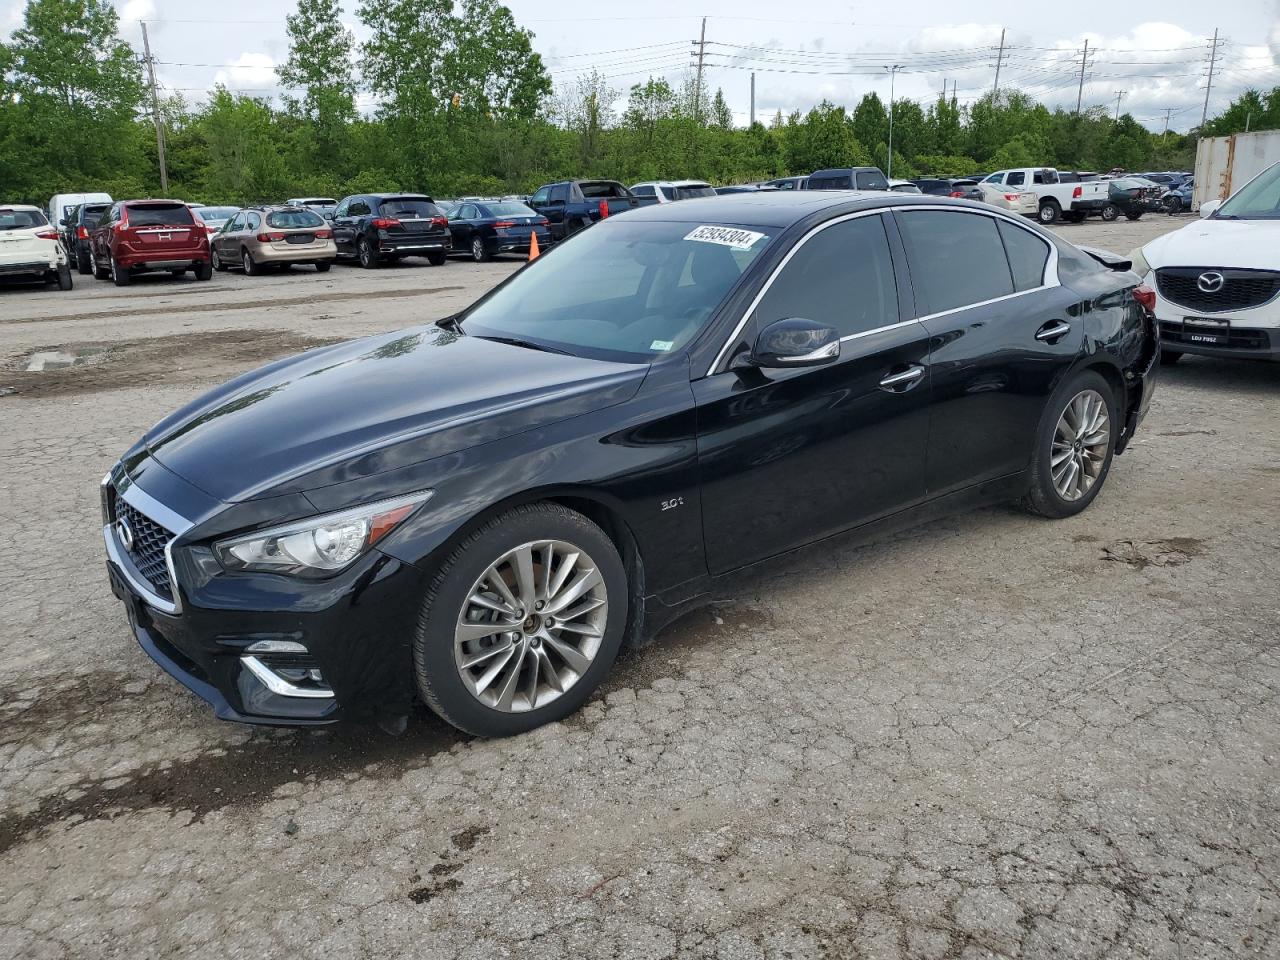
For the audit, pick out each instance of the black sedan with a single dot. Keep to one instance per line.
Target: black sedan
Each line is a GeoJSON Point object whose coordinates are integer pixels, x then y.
{"type": "Point", "coordinates": [485, 228]}
{"type": "Point", "coordinates": [480, 512]}
{"type": "Point", "coordinates": [1132, 196]}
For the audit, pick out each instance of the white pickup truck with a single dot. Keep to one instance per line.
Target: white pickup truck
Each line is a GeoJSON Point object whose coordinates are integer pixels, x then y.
{"type": "Point", "coordinates": [1054, 199]}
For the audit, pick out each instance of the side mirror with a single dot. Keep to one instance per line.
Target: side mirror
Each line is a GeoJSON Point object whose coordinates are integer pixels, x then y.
{"type": "Point", "coordinates": [795, 342]}
{"type": "Point", "coordinates": [329, 217]}
{"type": "Point", "coordinates": [1208, 207]}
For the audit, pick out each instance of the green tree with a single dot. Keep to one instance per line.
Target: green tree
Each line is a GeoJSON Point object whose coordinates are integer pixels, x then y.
{"type": "Point", "coordinates": [245, 164]}
{"type": "Point", "coordinates": [721, 116]}
{"type": "Point", "coordinates": [320, 66]}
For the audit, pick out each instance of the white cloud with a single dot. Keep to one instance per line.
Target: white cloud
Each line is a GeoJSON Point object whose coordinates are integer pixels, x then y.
{"type": "Point", "coordinates": [249, 71]}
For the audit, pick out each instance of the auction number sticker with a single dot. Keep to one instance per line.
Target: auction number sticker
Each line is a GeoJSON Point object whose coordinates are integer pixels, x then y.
{"type": "Point", "coordinates": [725, 236]}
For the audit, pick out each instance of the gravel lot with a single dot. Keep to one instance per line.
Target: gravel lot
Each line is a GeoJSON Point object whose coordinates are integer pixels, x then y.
{"type": "Point", "coordinates": [992, 736]}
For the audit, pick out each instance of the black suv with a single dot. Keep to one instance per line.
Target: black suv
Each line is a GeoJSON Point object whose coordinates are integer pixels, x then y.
{"type": "Point", "coordinates": [848, 178]}
{"type": "Point", "coordinates": [75, 233]}
{"type": "Point", "coordinates": [375, 227]}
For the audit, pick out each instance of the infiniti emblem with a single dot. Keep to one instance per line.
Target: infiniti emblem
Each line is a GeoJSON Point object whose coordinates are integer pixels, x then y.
{"type": "Point", "coordinates": [1210, 282]}
{"type": "Point", "coordinates": [125, 533]}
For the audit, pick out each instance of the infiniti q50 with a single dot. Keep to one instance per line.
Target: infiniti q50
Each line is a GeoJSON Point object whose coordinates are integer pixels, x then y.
{"type": "Point", "coordinates": [479, 512]}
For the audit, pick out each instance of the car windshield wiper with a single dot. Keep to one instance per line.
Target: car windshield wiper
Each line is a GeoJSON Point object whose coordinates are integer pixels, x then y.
{"type": "Point", "coordinates": [530, 344]}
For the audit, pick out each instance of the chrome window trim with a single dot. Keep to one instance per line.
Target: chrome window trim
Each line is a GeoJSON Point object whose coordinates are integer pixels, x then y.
{"type": "Point", "coordinates": [1049, 278]}
{"type": "Point", "coordinates": [144, 503]}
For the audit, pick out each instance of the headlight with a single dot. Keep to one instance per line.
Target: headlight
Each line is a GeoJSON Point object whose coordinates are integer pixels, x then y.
{"type": "Point", "coordinates": [319, 545]}
{"type": "Point", "coordinates": [1140, 265]}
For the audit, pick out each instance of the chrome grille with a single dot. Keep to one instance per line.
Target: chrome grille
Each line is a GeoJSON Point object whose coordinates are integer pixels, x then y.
{"type": "Point", "coordinates": [1241, 289]}
{"type": "Point", "coordinates": [149, 542]}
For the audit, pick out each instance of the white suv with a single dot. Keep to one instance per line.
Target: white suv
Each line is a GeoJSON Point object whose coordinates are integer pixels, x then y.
{"type": "Point", "coordinates": [1217, 280]}
{"type": "Point", "coordinates": [668, 191]}
{"type": "Point", "coordinates": [30, 248]}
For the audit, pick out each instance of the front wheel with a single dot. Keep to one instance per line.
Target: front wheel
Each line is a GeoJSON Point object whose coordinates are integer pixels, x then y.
{"type": "Point", "coordinates": [1110, 212]}
{"type": "Point", "coordinates": [1074, 447]}
{"type": "Point", "coordinates": [1173, 206]}
{"type": "Point", "coordinates": [218, 263]}
{"type": "Point", "coordinates": [522, 622]}
{"type": "Point", "coordinates": [63, 277]}
{"type": "Point", "coordinates": [1049, 212]}
{"type": "Point", "coordinates": [1133, 216]}
{"type": "Point", "coordinates": [203, 270]}
{"type": "Point", "coordinates": [100, 272]}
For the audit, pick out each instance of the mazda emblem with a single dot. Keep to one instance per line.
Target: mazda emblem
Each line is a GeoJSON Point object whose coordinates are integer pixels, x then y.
{"type": "Point", "coordinates": [125, 533]}
{"type": "Point", "coordinates": [1210, 281]}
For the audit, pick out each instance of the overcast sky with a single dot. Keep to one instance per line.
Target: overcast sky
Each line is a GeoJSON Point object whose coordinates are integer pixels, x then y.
{"type": "Point", "coordinates": [833, 50]}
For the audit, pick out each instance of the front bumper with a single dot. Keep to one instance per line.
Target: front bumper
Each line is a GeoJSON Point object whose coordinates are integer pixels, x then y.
{"type": "Point", "coordinates": [1244, 343]}
{"type": "Point", "coordinates": [247, 644]}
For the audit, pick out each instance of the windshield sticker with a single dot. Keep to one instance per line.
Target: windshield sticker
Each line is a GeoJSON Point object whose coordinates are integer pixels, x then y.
{"type": "Point", "coordinates": [725, 236]}
{"type": "Point", "coordinates": [662, 345]}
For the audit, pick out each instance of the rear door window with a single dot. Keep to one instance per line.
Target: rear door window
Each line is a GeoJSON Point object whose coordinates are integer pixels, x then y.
{"type": "Point", "coordinates": [160, 215]}
{"type": "Point", "coordinates": [1027, 253]}
{"type": "Point", "coordinates": [872, 180]}
{"type": "Point", "coordinates": [841, 276]}
{"type": "Point", "coordinates": [956, 259]}
{"type": "Point", "coordinates": [560, 193]}
{"type": "Point", "coordinates": [358, 208]}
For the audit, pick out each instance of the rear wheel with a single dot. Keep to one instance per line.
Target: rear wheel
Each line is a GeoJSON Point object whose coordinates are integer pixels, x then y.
{"type": "Point", "coordinates": [83, 263]}
{"type": "Point", "coordinates": [100, 272]}
{"type": "Point", "coordinates": [478, 252]}
{"type": "Point", "coordinates": [436, 259]}
{"type": "Point", "coordinates": [1133, 216]}
{"type": "Point", "coordinates": [1173, 205]}
{"type": "Point", "coordinates": [368, 258]}
{"type": "Point", "coordinates": [1049, 212]}
{"type": "Point", "coordinates": [119, 275]}
{"type": "Point", "coordinates": [1074, 447]}
{"type": "Point", "coordinates": [322, 266]}
{"type": "Point", "coordinates": [250, 265]}
{"type": "Point", "coordinates": [1110, 212]}
{"type": "Point", "coordinates": [1170, 357]}
{"type": "Point", "coordinates": [522, 622]}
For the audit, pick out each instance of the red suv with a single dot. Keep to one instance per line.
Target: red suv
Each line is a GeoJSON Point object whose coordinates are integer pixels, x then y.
{"type": "Point", "coordinates": [136, 236]}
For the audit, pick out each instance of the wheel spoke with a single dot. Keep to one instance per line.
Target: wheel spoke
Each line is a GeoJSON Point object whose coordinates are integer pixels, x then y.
{"type": "Point", "coordinates": [585, 581]}
{"type": "Point", "coordinates": [567, 564]}
{"type": "Point", "coordinates": [494, 579]}
{"type": "Point", "coordinates": [548, 558]}
{"type": "Point", "coordinates": [531, 685]}
{"type": "Point", "coordinates": [497, 606]}
{"type": "Point", "coordinates": [549, 671]}
{"type": "Point", "coordinates": [478, 631]}
{"type": "Point", "coordinates": [495, 669]}
{"type": "Point", "coordinates": [522, 564]}
{"type": "Point", "coordinates": [478, 658]}
{"type": "Point", "coordinates": [570, 655]}
{"type": "Point", "coordinates": [507, 690]}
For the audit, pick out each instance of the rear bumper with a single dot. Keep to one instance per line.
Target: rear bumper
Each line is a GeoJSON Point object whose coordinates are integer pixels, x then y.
{"type": "Point", "coordinates": [415, 245]}
{"type": "Point", "coordinates": [162, 260]}
{"type": "Point", "coordinates": [295, 252]}
{"type": "Point", "coordinates": [28, 268]}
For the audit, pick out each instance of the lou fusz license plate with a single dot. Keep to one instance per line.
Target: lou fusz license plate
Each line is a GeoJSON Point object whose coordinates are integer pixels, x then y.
{"type": "Point", "coordinates": [1205, 330]}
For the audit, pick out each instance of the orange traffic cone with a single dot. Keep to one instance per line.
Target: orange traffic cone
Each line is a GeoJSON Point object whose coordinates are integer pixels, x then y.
{"type": "Point", "coordinates": [533, 245]}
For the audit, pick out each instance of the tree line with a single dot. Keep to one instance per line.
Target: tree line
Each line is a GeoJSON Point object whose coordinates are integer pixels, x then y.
{"type": "Point", "coordinates": [465, 105]}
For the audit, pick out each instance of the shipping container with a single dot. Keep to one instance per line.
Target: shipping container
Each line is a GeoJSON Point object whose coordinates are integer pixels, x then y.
{"type": "Point", "coordinates": [1225, 164]}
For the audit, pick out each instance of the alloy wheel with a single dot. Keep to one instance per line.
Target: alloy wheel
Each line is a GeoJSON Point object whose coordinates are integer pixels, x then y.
{"type": "Point", "coordinates": [531, 626]}
{"type": "Point", "coordinates": [1080, 443]}
{"type": "Point", "coordinates": [477, 249]}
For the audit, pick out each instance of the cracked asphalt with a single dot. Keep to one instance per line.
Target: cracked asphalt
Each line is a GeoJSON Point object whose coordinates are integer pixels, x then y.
{"type": "Point", "coordinates": [992, 736]}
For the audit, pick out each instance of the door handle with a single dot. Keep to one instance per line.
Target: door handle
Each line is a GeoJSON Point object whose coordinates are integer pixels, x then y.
{"type": "Point", "coordinates": [903, 380]}
{"type": "Point", "coordinates": [1053, 330]}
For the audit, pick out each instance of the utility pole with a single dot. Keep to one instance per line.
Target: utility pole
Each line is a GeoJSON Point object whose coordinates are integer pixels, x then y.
{"type": "Point", "coordinates": [893, 72]}
{"type": "Point", "coordinates": [155, 112]}
{"type": "Point", "coordinates": [1167, 113]}
{"type": "Point", "coordinates": [995, 89]}
{"type": "Point", "coordinates": [1084, 60]}
{"type": "Point", "coordinates": [1213, 56]}
{"type": "Point", "coordinates": [1119, 94]}
{"type": "Point", "coordinates": [701, 44]}
{"type": "Point", "coordinates": [753, 99]}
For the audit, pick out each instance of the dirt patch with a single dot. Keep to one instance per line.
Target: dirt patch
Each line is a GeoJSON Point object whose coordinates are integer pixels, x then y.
{"type": "Point", "coordinates": [423, 894]}
{"type": "Point", "coordinates": [153, 361]}
{"type": "Point", "coordinates": [668, 652]}
{"type": "Point", "coordinates": [1140, 554]}
{"type": "Point", "coordinates": [468, 838]}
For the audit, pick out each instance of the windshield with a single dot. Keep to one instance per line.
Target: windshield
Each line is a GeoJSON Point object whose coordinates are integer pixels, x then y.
{"type": "Point", "coordinates": [509, 209]}
{"type": "Point", "coordinates": [1259, 199]}
{"type": "Point", "coordinates": [294, 219]}
{"type": "Point", "coordinates": [409, 208]}
{"type": "Point", "coordinates": [21, 219]}
{"type": "Point", "coordinates": [628, 291]}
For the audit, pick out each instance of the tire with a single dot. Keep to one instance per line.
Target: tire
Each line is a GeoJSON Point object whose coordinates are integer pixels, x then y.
{"type": "Point", "coordinates": [437, 259]}
{"type": "Point", "coordinates": [366, 255]}
{"type": "Point", "coordinates": [179, 273]}
{"type": "Point", "coordinates": [322, 266]}
{"type": "Point", "coordinates": [203, 270]}
{"type": "Point", "coordinates": [1086, 392]}
{"type": "Point", "coordinates": [1133, 216]}
{"type": "Point", "coordinates": [1049, 212]}
{"type": "Point", "coordinates": [63, 277]}
{"type": "Point", "coordinates": [249, 264]}
{"type": "Point", "coordinates": [1169, 357]}
{"type": "Point", "coordinates": [437, 647]}
{"type": "Point", "coordinates": [101, 273]}
{"type": "Point", "coordinates": [217, 261]}
{"type": "Point", "coordinates": [119, 276]}
{"type": "Point", "coordinates": [1110, 212]}
{"type": "Point", "coordinates": [479, 253]}
{"type": "Point", "coordinates": [1173, 206]}
{"type": "Point", "coordinates": [83, 264]}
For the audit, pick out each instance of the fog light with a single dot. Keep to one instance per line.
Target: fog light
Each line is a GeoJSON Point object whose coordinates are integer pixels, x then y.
{"type": "Point", "coordinates": [284, 680]}
{"type": "Point", "coordinates": [275, 646]}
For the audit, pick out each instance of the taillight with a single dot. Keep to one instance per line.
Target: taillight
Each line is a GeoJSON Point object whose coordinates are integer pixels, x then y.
{"type": "Point", "coordinates": [1012, 197]}
{"type": "Point", "coordinates": [270, 237]}
{"type": "Point", "coordinates": [543, 221]}
{"type": "Point", "coordinates": [604, 209]}
{"type": "Point", "coordinates": [1145, 296]}
{"type": "Point", "coordinates": [323, 234]}
{"type": "Point", "coordinates": [956, 194]}
{"type": "Point", "coordinates": [502, 224]}
{"type": "Point", "coordinates": [82, 233]}
{"type": "Point", "coordinates": [1077, 193]}
{"type": "Point", "coordinates": [385, 223]}
{"type": "Point", "coordinates": [441, 221]}
{"type": "Point", "coordinates": [48, 234]}
{"type": "Point", "coordinates": [210, 230]}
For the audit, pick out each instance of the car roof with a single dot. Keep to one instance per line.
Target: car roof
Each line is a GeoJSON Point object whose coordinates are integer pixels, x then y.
{"type": "Point", "coordinates": [19, 206]}
{"type": "Point", "coordinates": [781, 208]}
{"type": "Point", "coordinates": [407, 195]}
{"type": "Point", "coordinates": [153, 200]}
{"type": "Point", "coordinates": [672, 183]}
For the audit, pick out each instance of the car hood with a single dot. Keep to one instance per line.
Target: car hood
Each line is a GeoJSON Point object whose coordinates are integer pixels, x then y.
{"type": "Point", "coordinates": [367, 406]}
{"type": "Point", "coordinates": [1243, 244]}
